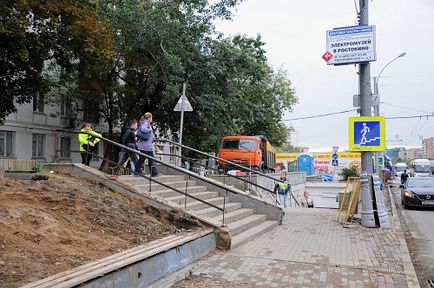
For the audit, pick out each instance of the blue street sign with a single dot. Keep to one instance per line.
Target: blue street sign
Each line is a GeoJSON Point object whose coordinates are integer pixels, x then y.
{"type": "Point", "coordinates": [335, 156]}
{"type": "Point", "coordinates": [380, 161]}
{"type": "Point", "coordinates": [335, 162]}
{"type": "Point", "coordinates": [367, 134]}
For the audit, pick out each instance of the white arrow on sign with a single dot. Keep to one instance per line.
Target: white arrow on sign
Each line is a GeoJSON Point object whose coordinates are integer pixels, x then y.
{"type": "Point", "coordinates": [187, 105]}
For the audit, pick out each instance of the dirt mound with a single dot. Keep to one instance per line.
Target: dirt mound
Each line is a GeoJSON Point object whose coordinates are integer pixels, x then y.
{"type": "Point", "coordinates": [53, 225]}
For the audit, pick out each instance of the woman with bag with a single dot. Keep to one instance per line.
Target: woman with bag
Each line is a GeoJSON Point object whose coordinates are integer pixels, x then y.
{"type": "Point", "coordinates": [145, 136]}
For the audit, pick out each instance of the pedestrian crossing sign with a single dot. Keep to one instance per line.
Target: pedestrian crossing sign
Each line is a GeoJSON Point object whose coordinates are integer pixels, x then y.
{"type": "Point", "coordinates": [367, 133]}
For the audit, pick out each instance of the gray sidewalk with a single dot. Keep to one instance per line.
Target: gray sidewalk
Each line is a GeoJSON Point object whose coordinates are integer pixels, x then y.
{"type": "Point", "coordinates": [311, 250]}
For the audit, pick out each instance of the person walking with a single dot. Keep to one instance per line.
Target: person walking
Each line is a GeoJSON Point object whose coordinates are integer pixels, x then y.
{"type": "Point", "coordinates": [404, 177]}
{"type": "Point", "coordinates": [282, 189]}
{"type": "Point", "coordinates": [128, 138]}
{"type": "Point", "coordinates": [145, 135]}
{"type": "Point", "coordinates": [88, 142]}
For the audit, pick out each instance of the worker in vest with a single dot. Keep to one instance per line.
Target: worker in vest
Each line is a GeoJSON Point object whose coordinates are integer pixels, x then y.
{"type": "Point", "coordinates": [282, 189]}
{"type": "Point", "coordinates": [88, 143]}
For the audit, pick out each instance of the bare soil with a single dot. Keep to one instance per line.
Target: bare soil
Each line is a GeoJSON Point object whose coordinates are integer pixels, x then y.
{"type": "Point", "coordinates": [208, 282]}
{"type": "Point", "coordinates": [53, 225]}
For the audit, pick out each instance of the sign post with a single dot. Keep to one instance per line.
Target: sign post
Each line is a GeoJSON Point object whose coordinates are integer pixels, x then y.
{"type": "Point", "coordinates": [182, 105]}
{"type": "Point", "coordinates": [348, 45]}
{"type": "Point", "coordinates": [356, 45]}
{"type": "Point", "coordinates": [335, 161]}
{"type": "Point", "coordinates": [367, 133]}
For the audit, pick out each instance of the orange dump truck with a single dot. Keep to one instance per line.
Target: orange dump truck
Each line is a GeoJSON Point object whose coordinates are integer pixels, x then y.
{"type": "Point", "coordinates": [254, 152]}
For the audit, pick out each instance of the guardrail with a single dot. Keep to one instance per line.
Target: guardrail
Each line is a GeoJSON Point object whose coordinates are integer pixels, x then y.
{"type": "Point", "coordinates": [208, 156]}
{"type": "Point", "coordinates": [226, 189]}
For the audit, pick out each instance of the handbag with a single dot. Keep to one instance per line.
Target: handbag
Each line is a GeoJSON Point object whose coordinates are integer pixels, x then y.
{"type": "Point", "coordinates": [143, 135]}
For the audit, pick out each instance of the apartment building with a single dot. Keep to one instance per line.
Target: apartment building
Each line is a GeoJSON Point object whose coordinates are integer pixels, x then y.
{"type": "Point", "coordinates": [38, 133]}
{"type": "Point", "coordinates": [410, 154]}
{"type": "Point", "coordinates": [428, 148]}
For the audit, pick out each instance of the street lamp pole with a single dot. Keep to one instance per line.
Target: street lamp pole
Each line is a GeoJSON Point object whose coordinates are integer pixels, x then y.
{"type": "Point", "coordinates": [377, 79]}
{"type": "Point", "coordinates": [376, 96]}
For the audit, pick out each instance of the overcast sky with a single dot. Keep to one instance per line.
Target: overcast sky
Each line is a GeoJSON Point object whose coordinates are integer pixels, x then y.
{"type": "Point", "coordinates": [295, 36]}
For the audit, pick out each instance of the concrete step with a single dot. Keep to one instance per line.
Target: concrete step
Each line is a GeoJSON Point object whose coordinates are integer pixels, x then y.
{"type": "Point", "coordinates": [234, 215]}
{"type": "Point", "coordinates": [244, 224]}
{"type": "Point", "coordinates": [169, 193]}
{"type": "Point", "coordinates": [197, 205]}
{"type": "Point", "coordinates": [251, 233]}
{"type": "Point", "coordinates": [212, 212]}
{"type": "Point", "coordinates": [137, 180]}
{"type": "Point", "coordinates": [180, 200]}
{"type": "Point", "coordinates": [158, 187]}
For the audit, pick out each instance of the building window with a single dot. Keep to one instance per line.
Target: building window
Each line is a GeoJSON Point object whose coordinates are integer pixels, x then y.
{"type": "Point", "coordinates": [91, 112]}
{"type": "Point", "coordinates": [38, 102]}
{"type": "Point", "coordinates": [7, 143]}
{"type": "Point", "coordinates": [38, 146]}
{"type": "Point", "coordinates": [65, 147]}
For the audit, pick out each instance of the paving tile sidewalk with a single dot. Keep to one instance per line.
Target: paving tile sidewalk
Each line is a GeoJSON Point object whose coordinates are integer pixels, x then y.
{"type": "Point", "coordinates": [311, 250]}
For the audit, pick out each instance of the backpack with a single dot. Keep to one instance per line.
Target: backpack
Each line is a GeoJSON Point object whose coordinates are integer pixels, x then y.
{"type": "Point", "coordinates": [143, 135]}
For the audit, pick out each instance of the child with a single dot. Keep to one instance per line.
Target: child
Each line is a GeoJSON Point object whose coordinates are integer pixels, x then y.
{"type": "Point", "coordinates": [306, 201]}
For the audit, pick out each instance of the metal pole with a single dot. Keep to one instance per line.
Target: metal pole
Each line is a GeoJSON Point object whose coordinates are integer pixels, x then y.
{"type": "Point", "coordinates": [377, 93]}
{"type": "Point", "coordinates": [365, 87]}
{"type": "Point", "coordinates": [365, 110]}
{"type": "Point", "coordinates": [184, 87]}
{"type": "Point", "coordinates": [376, 107]}
{"type": "Point", "coordinates": [376, 113]}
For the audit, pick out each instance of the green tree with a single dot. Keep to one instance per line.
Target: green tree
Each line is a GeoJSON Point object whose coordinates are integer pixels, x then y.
{"type": "Point", "coordinates": [34, 33]}
{"type": "Point", "coordinates": [132, 56]}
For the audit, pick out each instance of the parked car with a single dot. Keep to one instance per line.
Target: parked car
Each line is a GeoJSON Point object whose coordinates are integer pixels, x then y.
{"type": "Point", "coordinates": [418, 191]}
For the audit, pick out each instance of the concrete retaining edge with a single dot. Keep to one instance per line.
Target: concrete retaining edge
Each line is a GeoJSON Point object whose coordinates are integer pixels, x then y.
{"type": "Point", "coordinates": [132, 269]}
{"type": "Point", "coordinates": [410, 272]}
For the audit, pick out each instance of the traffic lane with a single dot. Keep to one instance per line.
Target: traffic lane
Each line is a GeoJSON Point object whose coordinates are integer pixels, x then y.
{"type": "Point", "coordinates": [420, 220]}
{"type": "Point", "coordinates": [418, 224]}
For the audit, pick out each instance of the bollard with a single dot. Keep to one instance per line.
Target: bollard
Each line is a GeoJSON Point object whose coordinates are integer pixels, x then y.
{"type": "Point", "coordinates": [381, 210]}
{"type": "Point", "coordinates": [2, 173]}
{"type": "Point", "coordinates": [368, 219]}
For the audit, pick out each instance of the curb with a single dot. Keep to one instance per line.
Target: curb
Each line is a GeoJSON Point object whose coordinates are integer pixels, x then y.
{"type": "Point", "coordinates": [410, 272]}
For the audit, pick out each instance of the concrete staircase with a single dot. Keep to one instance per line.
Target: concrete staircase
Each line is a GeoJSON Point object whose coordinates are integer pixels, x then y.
{"type": "Point", "coordinates": [243, 222]}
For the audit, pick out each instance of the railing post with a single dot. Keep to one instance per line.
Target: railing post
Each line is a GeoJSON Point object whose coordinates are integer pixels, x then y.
{"type": "Point", "coordinates": [150, 185]}
{"type": "Point", "coordinates": [186, 192]}
{"type": "Point", "coordinates": [224, 208]}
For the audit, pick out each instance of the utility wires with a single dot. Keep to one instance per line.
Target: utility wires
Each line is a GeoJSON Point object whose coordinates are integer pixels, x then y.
{"type": "Point", "coordinates": [320, 115]}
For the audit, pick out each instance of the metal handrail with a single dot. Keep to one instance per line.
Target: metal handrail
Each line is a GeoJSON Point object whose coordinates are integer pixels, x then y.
{"type": "Point", "coordinates": [183, 171]}
{"type": "Point", "coordinates": [226, 161]}
{"type": "Point", "coordinates": [217, 158]}
{"type": "Point", "coordinates": [161, 183]}
{"type": "Point", "coordinates": [226, 174]}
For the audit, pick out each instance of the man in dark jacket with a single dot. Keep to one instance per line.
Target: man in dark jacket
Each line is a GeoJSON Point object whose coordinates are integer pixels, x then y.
{"type": "Point", "coordinates": [128, 138]}
{"type": "Point", "coordinates": [404, 177]}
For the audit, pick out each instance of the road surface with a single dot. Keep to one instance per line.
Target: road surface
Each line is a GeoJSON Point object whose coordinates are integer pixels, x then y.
{"type": "Point", "coordinates": [418, 224]}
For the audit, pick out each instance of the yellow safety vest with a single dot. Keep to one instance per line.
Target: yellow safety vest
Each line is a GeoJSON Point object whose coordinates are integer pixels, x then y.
{"type": "Point", "coordinates": [283, 187]}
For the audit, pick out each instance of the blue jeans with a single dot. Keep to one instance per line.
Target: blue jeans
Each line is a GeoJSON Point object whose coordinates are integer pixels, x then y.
{"type": "Point", "coordinates": [151, 163]}
{"type": "Point", "coordinates": [283, 200]}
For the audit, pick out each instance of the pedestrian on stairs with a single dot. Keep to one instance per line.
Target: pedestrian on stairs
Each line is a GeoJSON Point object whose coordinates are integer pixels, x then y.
{"type": "Point", "coordinates": [282, 189]}
{"type": "Point", "coordinates": [128, 139]}
{"type": "Point", "coordinates": [145, 136]}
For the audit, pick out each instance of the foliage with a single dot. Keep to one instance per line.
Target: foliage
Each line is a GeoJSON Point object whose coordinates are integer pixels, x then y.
{"type": "Point", "coordinates": [33, 33]}
{"type": "Point", "coordinates": [349, 172]}
{"type": "Point", "coordinates": [132, 56]}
